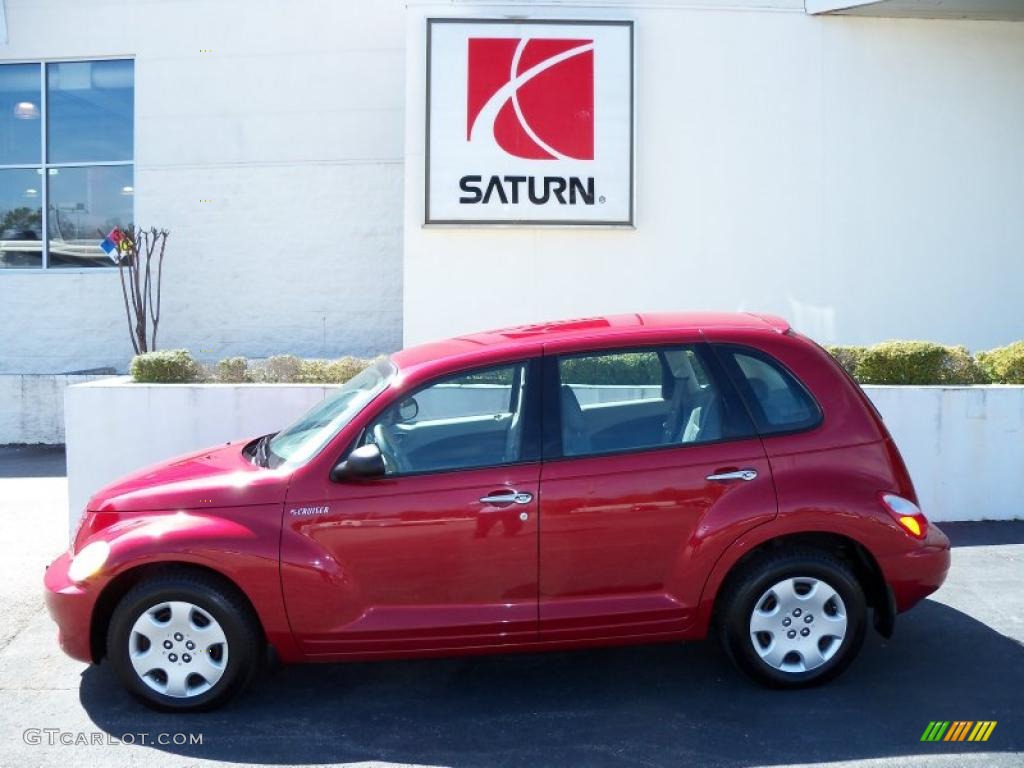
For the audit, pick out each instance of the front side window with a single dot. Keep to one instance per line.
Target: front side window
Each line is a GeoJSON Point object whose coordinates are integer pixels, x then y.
{"type": "Point", "coordinates": [66, 161]}
{"type": "Point", "coordinates": [306, 437]}
{"type": "Point", "coordinates": [778, 402]}
{"type": "Point", "coordinates": [465, 421]}
{"type": "Point", "coordinates": [638, 399]}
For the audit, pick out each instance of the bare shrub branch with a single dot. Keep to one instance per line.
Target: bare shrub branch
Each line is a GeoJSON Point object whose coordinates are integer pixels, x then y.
{"type": "Point", "coordinates": [135, 267]}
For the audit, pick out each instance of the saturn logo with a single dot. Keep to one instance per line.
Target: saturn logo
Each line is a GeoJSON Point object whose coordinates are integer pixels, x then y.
{"type": "Point", "coordinates": [533, 97]}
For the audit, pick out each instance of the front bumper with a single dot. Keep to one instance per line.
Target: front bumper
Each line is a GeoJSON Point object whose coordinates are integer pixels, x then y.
{"type": "Point", "coordinates": [70, 605]}
{"type": "Point", "coordinates": [915, 574]}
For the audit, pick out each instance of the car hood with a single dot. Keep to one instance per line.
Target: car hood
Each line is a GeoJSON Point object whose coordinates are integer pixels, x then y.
{"type": "Point", "coordinates": [216, 477]}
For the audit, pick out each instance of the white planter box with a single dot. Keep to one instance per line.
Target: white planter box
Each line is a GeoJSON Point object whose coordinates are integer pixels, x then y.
{"type": "Point", "coordinates": [115, 426]}
{"type": "Point", "coordinates": [964, 445]}
{"type": "Point", "coordinates": [32, 406]}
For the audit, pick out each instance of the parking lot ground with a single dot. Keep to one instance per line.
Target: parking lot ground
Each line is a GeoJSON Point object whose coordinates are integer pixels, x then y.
{"type": "Point", "coordinates": [957, 656]}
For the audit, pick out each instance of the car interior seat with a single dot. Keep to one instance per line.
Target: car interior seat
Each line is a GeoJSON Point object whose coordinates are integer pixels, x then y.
{"type": "Point", "coordinates": [575, 438]}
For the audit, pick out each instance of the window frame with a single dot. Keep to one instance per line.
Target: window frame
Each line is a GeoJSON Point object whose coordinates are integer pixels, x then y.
{"type": "Point", "coordinates": [724, 352]}
{"type": "Point", "coordinates": [530, 446]}
{"type": "Point", "coordinates": [44, 165]}
{"type": "Point", "coordinates": [552, 403]}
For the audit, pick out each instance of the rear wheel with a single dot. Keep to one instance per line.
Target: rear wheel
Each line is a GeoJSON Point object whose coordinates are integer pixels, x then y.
{"type": "Point", "coordinates": [793, 619]}
{"type": "Point", "coordinates": [183, 642]}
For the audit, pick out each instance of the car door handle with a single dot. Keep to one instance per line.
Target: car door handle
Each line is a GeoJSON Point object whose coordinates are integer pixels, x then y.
{"type": "Point", "coordinates": [508, 497]}
{"type": "Point", "coordinates": [739, 474]}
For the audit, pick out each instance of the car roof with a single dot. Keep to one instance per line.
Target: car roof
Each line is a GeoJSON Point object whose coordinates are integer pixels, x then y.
{"type": "Point", "coordinates": [462, 351]}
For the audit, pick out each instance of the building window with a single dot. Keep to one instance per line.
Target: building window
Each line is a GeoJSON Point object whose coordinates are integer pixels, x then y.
{"type": "Point", "coordinates": [66, 161]}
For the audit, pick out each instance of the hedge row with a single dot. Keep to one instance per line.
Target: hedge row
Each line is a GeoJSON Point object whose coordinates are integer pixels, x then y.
{"type": "Point", "coordinates": [891, 362]}
{"type": "Point", "coordinates": [924, 362]}
{"type": "Point", "coordinates": [636, 369]}
{"type": "Point", "coordinates": [178, 366]}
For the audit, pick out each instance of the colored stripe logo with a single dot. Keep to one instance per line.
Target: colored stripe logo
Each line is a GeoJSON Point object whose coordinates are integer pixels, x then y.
{"type": "Point", "coordinates": [958, 730]}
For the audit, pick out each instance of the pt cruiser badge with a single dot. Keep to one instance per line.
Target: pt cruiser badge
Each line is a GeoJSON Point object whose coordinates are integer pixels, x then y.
{"type": "Point", "coordinates": [310, 511]}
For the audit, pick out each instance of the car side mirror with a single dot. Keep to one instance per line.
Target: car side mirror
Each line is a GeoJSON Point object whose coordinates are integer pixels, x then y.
{"type": "Point", "coordinates": [409, 409]}
{"type": "Point", "coordinates": [365, 461]}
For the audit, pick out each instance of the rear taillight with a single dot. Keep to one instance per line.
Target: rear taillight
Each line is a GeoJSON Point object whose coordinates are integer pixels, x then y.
{"type": "Point", "coordinates": [907, 514]}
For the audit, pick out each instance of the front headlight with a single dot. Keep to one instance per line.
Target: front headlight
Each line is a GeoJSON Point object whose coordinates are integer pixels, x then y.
{"type": "Point", "coordinates": [89, 561]}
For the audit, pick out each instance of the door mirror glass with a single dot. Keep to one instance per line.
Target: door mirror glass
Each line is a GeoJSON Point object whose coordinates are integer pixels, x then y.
{"type": "Point", "coordinates": [364, 462]}
{"type": "Point", "coordinates": [408, 410]}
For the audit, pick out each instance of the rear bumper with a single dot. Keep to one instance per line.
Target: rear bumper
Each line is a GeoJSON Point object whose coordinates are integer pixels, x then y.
{"type": "Point", "coordinates": [70, 606]}
{"type": "Point", "coordinates": [915, 574]}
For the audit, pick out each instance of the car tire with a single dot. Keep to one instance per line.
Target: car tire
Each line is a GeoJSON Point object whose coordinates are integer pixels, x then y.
{"type": "Point", "coordinates": [763, 619]}
{"type": "Point", "coordinates": [184, 642]}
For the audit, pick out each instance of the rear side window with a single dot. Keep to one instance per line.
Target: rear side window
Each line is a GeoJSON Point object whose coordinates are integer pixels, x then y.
{"type": "Point", "coordinates": [777, 401]}
{"type": "Point", "coordinates": [638, 399]}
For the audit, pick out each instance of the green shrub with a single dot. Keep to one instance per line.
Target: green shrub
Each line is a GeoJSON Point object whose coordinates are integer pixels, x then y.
{"type": "Point", "coordinates": [848, 357]}
{"type": "Point", "coordinates": [917, 362]}
{"type": "Point", "coordinates": [329, 371]}
{"type": "Point", "coordinates": [167, 366]}
{"type": "Point", "coordinates": [1004, 365]}
{"type": "Point", "coordinates": [344, 368]}
{"type": "Point", "coordinates": [233, 370]}
{"type": "Point", "coordinates": [311, 372]}
{"type": "Point", "coordinates": [177, 365]}
{"type": "Point", "coordinates": [891, 362]}
{"type": "Point", "coordinates": [289, 369]}
{"type": "Point", "coordinates": [635, 369]}
{"type": "Point", "coordinates": [280, 369]}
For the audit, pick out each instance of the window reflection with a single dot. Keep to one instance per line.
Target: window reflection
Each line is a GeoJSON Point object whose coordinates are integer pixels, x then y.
{"type": "Point", "coordinates": [77, 174]}
{"type": "Point", "coordinates": [21, 218]}
{"type": "Point", "coordinates": [89, 107]}
{"type": "Point", "coordinates": [20, 132]}
{"type": "Point", "coordinates": [84, 205]}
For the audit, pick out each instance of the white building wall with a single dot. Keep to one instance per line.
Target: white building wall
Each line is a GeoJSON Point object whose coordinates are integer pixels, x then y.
{"type": "Point", "coordinates": [291, 126]}
{"type": "Point", "coordinates": [859, 176]}
{"type": "Point", "coordinates": [862, 177]}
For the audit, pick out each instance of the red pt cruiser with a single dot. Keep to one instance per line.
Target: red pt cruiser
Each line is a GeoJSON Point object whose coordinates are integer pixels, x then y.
{"type": "Point", "coordinates": [625, 479]}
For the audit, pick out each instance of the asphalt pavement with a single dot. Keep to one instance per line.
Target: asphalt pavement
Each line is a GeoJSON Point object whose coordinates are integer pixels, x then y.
{"type": "Point", "coordinates": [957, 656]}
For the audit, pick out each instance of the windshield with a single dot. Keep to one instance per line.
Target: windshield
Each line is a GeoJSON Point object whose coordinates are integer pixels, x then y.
{"type": "Point", "coordinates": [304, 439]}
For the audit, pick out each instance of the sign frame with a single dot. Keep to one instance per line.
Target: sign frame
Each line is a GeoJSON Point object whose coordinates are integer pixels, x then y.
{"type": "Point", "coordinates": [627, 223]}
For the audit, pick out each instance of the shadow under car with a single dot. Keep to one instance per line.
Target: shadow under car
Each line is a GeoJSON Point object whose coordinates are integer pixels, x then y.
{"type": "Point", "coordinates": [645, 705]}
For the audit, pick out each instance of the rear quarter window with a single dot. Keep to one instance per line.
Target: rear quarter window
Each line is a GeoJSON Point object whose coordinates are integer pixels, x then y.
{"type": "Point", "coordinates": [778, 402]}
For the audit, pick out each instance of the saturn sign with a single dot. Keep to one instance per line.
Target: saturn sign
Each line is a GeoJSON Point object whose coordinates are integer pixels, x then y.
{"type": "Point", "coordinates": [529, 122]}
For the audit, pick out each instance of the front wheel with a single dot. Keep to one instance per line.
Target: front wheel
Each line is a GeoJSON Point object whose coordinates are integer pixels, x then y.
{"type": "Point", "coordinates": [793, 619]}
{"type": "Point", "coordinates": [183, 642]}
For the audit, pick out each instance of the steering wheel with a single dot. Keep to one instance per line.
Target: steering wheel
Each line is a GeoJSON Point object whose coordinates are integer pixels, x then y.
{"type": "Point", "coordinates": [387, 449]}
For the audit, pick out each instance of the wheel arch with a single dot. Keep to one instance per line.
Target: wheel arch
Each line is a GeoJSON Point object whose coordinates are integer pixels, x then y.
{"type": "Point", "coordinates": [120, 585]}
{"type": "Point", "coordinates": [869, 574]}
